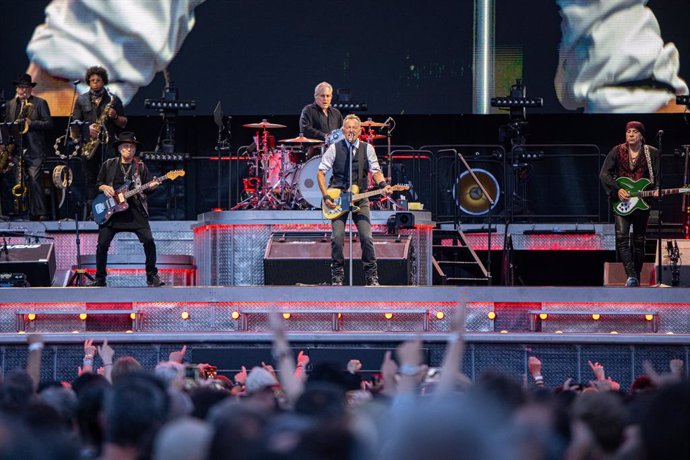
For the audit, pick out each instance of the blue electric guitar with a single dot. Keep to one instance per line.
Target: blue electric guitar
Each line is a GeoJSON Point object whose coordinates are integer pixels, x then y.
{"type": "Point", "coordinates": [636, 189]}
{"type": "Point", "coordinates": [103, 206]}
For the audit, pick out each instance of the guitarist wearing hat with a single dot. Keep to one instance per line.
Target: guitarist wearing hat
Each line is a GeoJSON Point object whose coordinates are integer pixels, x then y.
{"type": "Point", "coordinates": [356, 158]}
{"type": "Point", "coordinates": [114, 173]}
{"type": "Point", "coordinates": [625, 165]}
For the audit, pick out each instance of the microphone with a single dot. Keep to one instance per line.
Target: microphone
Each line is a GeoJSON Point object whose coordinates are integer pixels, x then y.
{"type": "Point", "coordinates": [660, 133]}
{"type": "Point", "coordinates": [386, 123]}
{"type": "Point", "coordinates": [76, 82]}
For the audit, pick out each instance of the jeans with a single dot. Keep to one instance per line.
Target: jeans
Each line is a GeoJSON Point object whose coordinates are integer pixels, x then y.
{"type": "Point", "coordinates": [363, 222]}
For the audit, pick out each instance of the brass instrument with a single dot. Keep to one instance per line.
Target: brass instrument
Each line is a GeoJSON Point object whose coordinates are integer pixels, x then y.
{"type": "Point", "coordinates": [24, 113]}
{"type": "Point", "coordinates": [20, 189]}
{"type": "Point", "coordinates": [91, 146]}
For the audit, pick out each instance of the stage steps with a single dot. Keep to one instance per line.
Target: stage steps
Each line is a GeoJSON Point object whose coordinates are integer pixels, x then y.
{"type": "Point", "coordinates": [454, 260]}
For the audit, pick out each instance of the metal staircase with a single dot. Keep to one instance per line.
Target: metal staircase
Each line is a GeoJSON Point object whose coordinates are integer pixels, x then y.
{"type": "Point", "coordinates": [455, 262]}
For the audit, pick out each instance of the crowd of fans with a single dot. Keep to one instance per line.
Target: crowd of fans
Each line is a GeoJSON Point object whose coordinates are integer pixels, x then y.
{"type": "Point", "coordinates": [295, 411]}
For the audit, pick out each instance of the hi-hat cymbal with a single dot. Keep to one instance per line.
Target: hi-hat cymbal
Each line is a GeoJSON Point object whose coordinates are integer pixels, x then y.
{"type": "Point", "coordinates": [373, 124]}
{"type": "Point", "coordinates": [301, 140]}
{"type": "Point", "coordinates": [263, 125]}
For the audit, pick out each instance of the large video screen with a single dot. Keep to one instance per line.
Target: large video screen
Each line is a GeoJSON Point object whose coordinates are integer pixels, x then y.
{"type": "Point", "coordinates": [395, 56]}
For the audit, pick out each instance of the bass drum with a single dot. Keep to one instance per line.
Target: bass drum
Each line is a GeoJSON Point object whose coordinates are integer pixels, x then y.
{"type": "Point", "coordinates": [307, 185]}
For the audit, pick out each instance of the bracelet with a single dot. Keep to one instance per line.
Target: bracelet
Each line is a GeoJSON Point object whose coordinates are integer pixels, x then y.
{"type": "Point", "coordinates": [88, 356]}
{"type": "Point", "coordinates": [35, 346]}
{"type": "Point", "coordinates": [538, 378]}
{"type": "Point", "coordinates": [408, 369]}
{"type": "Point", "coordinates": [327, 197]}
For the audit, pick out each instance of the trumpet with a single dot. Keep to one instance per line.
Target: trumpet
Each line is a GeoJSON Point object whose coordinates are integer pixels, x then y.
{"type": "Point", "coordinates": [24, 114]}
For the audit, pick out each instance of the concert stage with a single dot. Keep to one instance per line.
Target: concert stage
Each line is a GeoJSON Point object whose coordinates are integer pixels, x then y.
{"type": "Point", "coordinates": [565, 326]}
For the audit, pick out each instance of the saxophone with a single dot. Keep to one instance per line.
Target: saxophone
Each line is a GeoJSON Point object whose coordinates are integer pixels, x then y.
{"type": "Point", "coordinates": [20, 189]}
{"type": "Point", "coordinates": [7, 149]}
{"type": "Point", "coordinates": [24, 113]}
{"type": "Point", "coordinates": [91, 146]}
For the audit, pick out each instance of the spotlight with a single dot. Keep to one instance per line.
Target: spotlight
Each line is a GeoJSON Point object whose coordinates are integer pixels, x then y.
{"type": "Point", "coordinates": [83, 316]}
{"type": "Point", "coordinates": [163, 104]}
{"type": "Point", "coordinates": [504, 331]}
{"type": "Point", "coordinates": [491, 315]}
{"type": "Point", "coordinates": [286, 315]}
{"type": "Point", "coordinates": [388, 315]}
{"type": "Point", "coordinates": [184, 315]}
{"type": "Point", "coordinates": [648, 317]}
{"type": "Point", "coordinates": [235, 315]}
{"type": "Point", "coordinates": [614, 332]}
{"type": "Point", "coordinates": [132, 316]}
{"type": "Point", "coordinates": [543, 316]}
{"type": "Point", "coordinates": [440, 315]}
{"type": "Point", "coordinates": [31, 316]}
{"type": "Point", "coordinates": [559, 332]}
{"type": "Point", "coordinates": [510, 102]}
{"type": "Point", "coordinates": [596, 316]}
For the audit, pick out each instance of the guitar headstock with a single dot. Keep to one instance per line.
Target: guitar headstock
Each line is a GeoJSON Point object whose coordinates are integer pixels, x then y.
{"type": "Point", "coordinates": [172, 175]}
{"type": "Point", "coordinates": [399, 187]}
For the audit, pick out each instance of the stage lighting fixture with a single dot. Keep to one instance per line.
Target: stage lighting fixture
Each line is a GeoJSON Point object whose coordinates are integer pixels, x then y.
{"type": "Point", "coordinates": [351, 106]}
{"type": "Point", "coordinates": [440, 315]}
{"type": "Point", "coordinates": [163, 104]}
{"type": "Point", "coordinates": [235, 315]}
{"type": "Point", "coordinates": [491, 315]}
{"type": "Point", "coordinates": [596, 316]}
{"type": "Point", "coordinates": [31, 316]}
{"type": "Point", "coordinates": [83, 316]}
{"type": "Point", "coordinates": [132, 316]}
{"type": "Point", "coordinates": [683, 100]}
{"type": "Point", "coordinates": [184, 315]}
{"type": "Point", "coordinates": [543, 316]}
{"type": "Point", "coordinates": [388, 315]}
{"type": "Point", "coordinates": [510, 102]}
{"type": "Point", "coordinates": [286, 315]}
{"type": "Point", "coordinates": [649, 317]}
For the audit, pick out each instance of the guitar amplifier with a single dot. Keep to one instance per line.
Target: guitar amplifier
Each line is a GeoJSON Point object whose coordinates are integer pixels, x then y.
{"type": "Point", "coordinates": [36, 261]}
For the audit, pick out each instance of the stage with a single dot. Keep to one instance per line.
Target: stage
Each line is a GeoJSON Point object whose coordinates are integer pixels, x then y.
{"type": "Point", "coordinates": [216, 300]}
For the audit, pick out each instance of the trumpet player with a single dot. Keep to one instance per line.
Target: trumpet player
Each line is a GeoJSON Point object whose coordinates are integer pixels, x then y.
{"type": "Point", "coordinates": [105, 114]}
{"type": "Point", "coordinates": [33, 121]}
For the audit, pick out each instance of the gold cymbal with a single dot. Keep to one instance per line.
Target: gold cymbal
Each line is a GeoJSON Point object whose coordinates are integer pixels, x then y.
{"type": "Point", "coordinates": [373, 124]}
{"type": "Point", "coordinates": [372, 137]}
{"type": "Point", "coordinates": [301, 140]}
{"type": "Point", "coordinates": [263, 125]}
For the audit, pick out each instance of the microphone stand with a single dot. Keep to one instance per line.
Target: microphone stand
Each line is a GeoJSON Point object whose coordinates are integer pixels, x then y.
{"type": "Point", "coordinates": [350, 216]}
{"type": "Point", "coordinates": [658, 223]}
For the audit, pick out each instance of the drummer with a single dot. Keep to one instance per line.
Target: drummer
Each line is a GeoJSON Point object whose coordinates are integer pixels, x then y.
{"type": "Point", "coordinates": [320, 118]}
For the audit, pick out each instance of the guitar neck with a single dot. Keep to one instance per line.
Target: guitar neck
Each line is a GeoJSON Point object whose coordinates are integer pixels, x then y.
{"type": "Point", "coordinates": [666, 191]}
{"type": "Point", "coordinates": [143, 187]}
{"type": "Point", "coordinates": [361, 196]}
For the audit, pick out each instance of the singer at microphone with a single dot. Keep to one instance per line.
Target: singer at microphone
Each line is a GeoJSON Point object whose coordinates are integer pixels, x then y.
{"type": "Point", "coordinates": [350, 163]}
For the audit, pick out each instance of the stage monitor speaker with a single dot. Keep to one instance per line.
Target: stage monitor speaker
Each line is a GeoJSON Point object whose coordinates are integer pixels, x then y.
{"type": "Point", "coordinates": [305, 258]}
{"type": "Point", "coordinates": [683, 252]}
{"type": "Point", "coordinates": [614, 274]}
{"type": "Point", "coordinates": [36, 261]}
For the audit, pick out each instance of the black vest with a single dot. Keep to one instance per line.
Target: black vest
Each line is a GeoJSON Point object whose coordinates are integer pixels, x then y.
{"type": "Point", "coordinates": [343, 156]}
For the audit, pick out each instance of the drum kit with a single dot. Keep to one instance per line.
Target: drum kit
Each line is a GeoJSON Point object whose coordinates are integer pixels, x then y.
{"type": "Point", "coordinates": [281, 177]}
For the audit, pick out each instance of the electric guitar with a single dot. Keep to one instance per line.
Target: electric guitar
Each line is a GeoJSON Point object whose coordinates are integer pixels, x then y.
{"type": "Point", "coordinates": [103, 206]}
{"type": "Point", "coordinates": [636, 189]}
{"type": "Point", "coordinates": [343, 200]}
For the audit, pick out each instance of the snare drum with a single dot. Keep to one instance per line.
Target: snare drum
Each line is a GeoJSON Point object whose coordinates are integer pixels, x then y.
{"type": "Point", "coordinates": [307, 184]}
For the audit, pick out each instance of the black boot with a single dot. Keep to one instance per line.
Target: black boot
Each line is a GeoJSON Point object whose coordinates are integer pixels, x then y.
{"type": "Point", "coordinates": [154, 281]}
{"type": "Point", "coordinates": [372, 281]}
{"type": "Point", "coordinates": [337, 276]}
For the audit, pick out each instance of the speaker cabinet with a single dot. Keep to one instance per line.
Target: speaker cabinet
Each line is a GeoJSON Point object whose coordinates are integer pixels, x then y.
{"type": "Point", "coordinates": [36, 261]}
{"type": "Point", "coordinates": [305, 258]}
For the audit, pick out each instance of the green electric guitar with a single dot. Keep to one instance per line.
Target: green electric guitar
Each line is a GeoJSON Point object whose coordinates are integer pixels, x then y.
{"type": "Point", "coordinates": [636, 189]}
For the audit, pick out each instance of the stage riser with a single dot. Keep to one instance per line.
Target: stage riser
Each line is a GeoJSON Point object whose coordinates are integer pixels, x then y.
{"type": "Point", "coordinates": [318, 316]}
{"type": "Point", "coordinates": [623, 362]}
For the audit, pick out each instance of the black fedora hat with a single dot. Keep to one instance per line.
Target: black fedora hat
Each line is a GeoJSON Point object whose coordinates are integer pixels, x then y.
{"type": "Point", "coordinates": [126, 137]}
{"type": "Point", "coordinates": [24, 80]}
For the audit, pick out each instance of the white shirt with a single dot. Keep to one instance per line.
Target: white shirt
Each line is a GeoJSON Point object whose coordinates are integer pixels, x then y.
{"type": "Point", "coordinates": [329, 157]}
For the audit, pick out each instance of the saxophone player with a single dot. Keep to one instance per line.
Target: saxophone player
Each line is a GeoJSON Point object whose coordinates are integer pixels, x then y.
{"type": "Point", "coordinates": [34, 119]}
{"type": "Point", "coordinates": [105, 114]}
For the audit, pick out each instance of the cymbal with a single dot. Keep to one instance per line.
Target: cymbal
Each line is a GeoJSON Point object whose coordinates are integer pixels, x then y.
{"type": "Point", "coordinates": [373, 124]}
{"type": "Point", "coordinates": [263, 125]}
{"type": "Point", "coordinates": [372, 137]}
{"type": "Point", "coordinates": [301, 140]}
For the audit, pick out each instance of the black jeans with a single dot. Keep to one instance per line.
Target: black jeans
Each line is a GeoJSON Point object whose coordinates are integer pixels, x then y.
{"type": "Point", "coordinates": [631, 250]}
{"type": "Point", "coordinates": [105, 237]}
{"type": "Point", "coordinates": [37, 199]}
{"type": "Point", "coordinates": [363, 222]}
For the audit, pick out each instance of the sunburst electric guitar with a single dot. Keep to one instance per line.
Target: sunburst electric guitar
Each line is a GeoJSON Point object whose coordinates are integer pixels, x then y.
{"type": "Point", "coordinates": [104, 206]}
{"type": "Point", "coordinates": [343, 200]}
{"type": "Point", "coordinates": [636, 189]}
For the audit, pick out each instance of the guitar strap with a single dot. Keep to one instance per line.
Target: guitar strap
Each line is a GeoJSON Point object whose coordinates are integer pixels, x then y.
{"type": "Point", "coordinates": [650, 167]}
{"type": "Point", "coordinates": [360, 164]}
